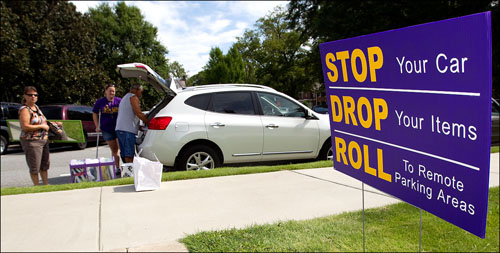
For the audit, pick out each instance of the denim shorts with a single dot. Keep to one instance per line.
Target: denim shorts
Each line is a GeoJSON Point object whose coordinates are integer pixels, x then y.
{"type": "Point", "coordinates": [108, 136]}
{"type": "Point", "coordinates": [127, 143]}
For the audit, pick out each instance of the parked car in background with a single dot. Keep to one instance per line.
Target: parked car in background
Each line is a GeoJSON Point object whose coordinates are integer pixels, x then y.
{"type": "Point", "coordinates": [7, 111]}
{"type": "Point", "coordinates": [206, 126]}
{"type": "Point", "coordinates": [320, 109]}
{"type": "Point", "coordinates": [495, 122]}
{"type": "Point", "coordinates": [74, 112]}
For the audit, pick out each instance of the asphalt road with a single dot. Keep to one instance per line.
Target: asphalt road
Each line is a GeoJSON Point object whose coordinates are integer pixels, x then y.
{"type": "Point", "coordinates": [14, 170]}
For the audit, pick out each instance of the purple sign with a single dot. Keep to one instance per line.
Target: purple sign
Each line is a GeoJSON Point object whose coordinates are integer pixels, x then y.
{"type": "Point", "coordinates": [410, 114]}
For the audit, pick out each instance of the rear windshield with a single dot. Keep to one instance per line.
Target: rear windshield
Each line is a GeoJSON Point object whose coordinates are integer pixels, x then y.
{"type": "Point", "coordinates": [52, 112]}
{"type": "Point", "coordinates": [80, 113]}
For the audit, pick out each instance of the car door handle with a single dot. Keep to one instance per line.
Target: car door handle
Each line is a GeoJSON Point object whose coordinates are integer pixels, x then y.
{"type": "Point", "coordinates": [272, 126]}
{"type": "Point", "coordinates": [217, 125]}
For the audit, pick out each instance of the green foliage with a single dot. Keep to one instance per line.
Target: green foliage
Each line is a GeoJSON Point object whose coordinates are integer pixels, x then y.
{"type": "Point", "coordinates": [14, 55]}
{"type": "Point", "coordinates": [51, 46]}
{"type": "Point", "coordinates": [125, 37]}
{"type": "Point", "coordinates": [177, 70]}
{"type": "Point", "coordinates": [216, 70]}
{"type": "Point", "coordinates": [198, 79]}
{"type": "Point", "coordinates": [248, 46]}
{"type": "Point", "coordinates": [323, 21]}
{"type": "Point", "coordinates": [274, 55]}
{"type": "Point", "coordinates": [391, 228]}
{"type": "Point", "coordinates": [495, 149]}
{"type": "Point", "coordinates": [222, 68]}
{"type": "Point", "coordinates": [236, 66]}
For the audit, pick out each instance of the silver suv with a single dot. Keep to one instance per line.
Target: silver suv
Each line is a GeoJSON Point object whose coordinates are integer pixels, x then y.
{"type": "Point", "coordinates": [206, 126]}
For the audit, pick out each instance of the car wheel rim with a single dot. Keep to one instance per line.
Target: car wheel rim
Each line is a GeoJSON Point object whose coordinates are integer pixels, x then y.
{"type": "Point", "coordinates": [200, 161]}
{"type": "Point", "coordinates": [329, 154]}
{"type": "Point", "coordinates": [2, 147]}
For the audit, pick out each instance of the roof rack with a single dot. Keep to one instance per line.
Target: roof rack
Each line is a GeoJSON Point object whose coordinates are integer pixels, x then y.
{"type": "Point", "coordinates": [213, 86]}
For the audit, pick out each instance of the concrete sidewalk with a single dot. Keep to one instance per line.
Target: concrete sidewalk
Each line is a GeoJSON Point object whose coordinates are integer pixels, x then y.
{"type": "Point", "coordinates": [119, 219]}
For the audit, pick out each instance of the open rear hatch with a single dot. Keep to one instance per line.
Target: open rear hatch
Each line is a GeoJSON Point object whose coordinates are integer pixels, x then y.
{"type": "Point", "coordinates": [145, 73]}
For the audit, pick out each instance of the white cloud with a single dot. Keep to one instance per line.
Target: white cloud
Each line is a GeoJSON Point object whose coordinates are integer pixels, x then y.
{"type": "Point", "coordinates": [254, 9]}
{"type": "Point", "coordinates": [190, 29]}
{"type": "Point", "coordinates": [218, 25]}
{"type": "Point", "coordinates": [242, 25]}
{"type": "Point", "coordinates": [83, 6]}
{"type": "Point", "coordinates": [162, 14]}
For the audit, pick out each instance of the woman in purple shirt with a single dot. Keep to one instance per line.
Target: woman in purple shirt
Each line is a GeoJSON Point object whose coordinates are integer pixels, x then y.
{"type": "Point", "coordinates": [108, 108]}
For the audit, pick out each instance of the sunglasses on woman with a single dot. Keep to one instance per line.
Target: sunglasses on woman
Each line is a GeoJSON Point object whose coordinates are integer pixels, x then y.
{"type": "Point", "coordinates": [31, 95]}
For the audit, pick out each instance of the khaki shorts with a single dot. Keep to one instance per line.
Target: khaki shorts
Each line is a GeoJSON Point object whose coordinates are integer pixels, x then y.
{"type": "Point", "coordinates": [37, 154]}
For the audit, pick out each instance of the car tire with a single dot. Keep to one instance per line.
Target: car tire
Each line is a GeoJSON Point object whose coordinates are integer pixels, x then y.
{"type": "Point", "coordinates": [198, 157]}
{"type": "Point", "coordinates": [82, 145]}
{"type": "Point", "coordinates": [326, 152]}
{"type": "Point", "coordinates": [4, 143]}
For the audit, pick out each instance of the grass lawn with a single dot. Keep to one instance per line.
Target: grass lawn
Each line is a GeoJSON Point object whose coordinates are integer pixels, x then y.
{"type": "Point", "coordinates": [169, 176]}
{"type": "Point", "coordinates": [495, 149]}
{"type": "Point", "coordinates": [392, 228]}
{"type": "Point", "coordinates": [178, 175]}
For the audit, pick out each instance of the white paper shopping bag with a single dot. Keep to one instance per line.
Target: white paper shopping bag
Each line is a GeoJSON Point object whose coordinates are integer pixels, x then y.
{"type": "Point", "coordinates": [147, 174]}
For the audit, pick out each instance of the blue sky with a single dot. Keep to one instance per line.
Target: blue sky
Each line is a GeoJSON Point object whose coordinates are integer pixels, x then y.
{"type": "Point", "coordinates": [189, 29]}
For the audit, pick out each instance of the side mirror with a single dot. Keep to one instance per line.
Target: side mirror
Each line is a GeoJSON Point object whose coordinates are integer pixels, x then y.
{"type": "Point", "coordinates": [309, 114]}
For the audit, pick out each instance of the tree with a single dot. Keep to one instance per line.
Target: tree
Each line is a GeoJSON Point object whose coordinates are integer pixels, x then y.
{"type": "Point", "coordinates": [198, 79]}
{"type": "Point", "coordinates": [125, 37]}
{"type": "Point", "coordinates": [322, 21]}
{"type": "Point", "coordinates": [14, 56]}
{"type": "Point", "coordinates": [248, 46]}
{"type": "Point", "coordinates": [224, 68]}
{"type": "Point", "coordinates": [235, 65]}
{"type": "Point", "coordinates": [177, 69]}
{"type": "Point", "coordinates": [50, 45]}
{"type": "Point", "coordinates": [275, 55]}
{"type": "Point", "coordinates": [216, 70]}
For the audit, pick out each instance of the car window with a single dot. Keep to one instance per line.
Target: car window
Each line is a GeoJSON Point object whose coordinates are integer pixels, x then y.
{"type": "Point", "coordinates": [275, 105]}
{"type": "Point", "coordinates": [80, 113]}
{"type": "Point", "coordinates": [13, 111]}
{"type": "Point", "coordinates": [199, 101]}
{"type": "Point", "coordinates": [52, 112]}
{"type": "Point", "coordinates": [233, 102]}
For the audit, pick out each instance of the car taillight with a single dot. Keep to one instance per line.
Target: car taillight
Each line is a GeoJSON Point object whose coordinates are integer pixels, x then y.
{"type": "Point", "coordinates": [159, 123]}
{"type": "Point", "coordinates": [140, 66]}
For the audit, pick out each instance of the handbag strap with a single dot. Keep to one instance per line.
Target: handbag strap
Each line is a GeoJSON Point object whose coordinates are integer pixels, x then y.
{"type": "Point", "coordinates": [140, 151]}
{"type": "Point", "coordinates": [156, 157]}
